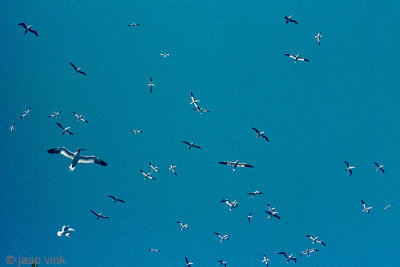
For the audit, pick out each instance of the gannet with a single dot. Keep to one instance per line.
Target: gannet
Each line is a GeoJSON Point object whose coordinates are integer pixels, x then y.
{"type": "Point", "coordinates": [316, 239]}
{"type": "Point", "coordinates": [183, 226]}
{"type": "Point", "coordinates": [80, 117]}
{"type": "Point", "coordinates": [223, 237]}
{"type": "Point", "coordinates": [297, 58]}
{"type": "Point", "coordinates": [172, 168]}
{"type": "Point", "coordinates": [349, 168]}
{"type": "Point", "coordinates": [379, 167]}
{"type": "Point", "coordinates": [26, 113]}
{"type": "Point", "coordinates": [366, 209]}
{"type": "Point", "coordinates": [260, 134]}
{"type": "Point", "coordinates": [289, 19]}
{"type": "Point", "coordinates": [318, 37]}
{"type": "Point", "coordinates": [235, 164]}
{"type": "Point", "coordinates": [28, 29]}
{"type": "Point", "coordinates": [66, 230]}
{"type": "Point", "coordinates": [76, 157]}
{"type": "Point", "coordinates": [77, 70]}
{"type": "Point", "coordinates": [99, 215]}
{"type": "Point", "coordinates": [65, 130]}
{"type": "Point", "coordinates": [116, 199]}
{"type": "Point", "coordinates": [288, 258]}
{"type": "Point", "coordinates": [191, 144]}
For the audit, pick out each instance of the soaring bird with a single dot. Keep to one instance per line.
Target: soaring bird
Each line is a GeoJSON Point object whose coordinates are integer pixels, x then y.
{"type": "Point", "coordinates": [201, 110]}
{"type": "Point", "coordinates": [349, 168]}
{"type": "Point", "coordinates": [172, 168]}
{"type": "Point", "coordinates": [153, 168]}
{"type": "Point", "coordinates": [193, 100]}
{"type": "Point", "coordinates": [297, 58]}
{"type": "Point", "coordinates": [183, 226]}
{"type": "Point", "coordinates": [55, 114]}
{"type": "Point", "coordinates": [265, 260]}
{"type": "Point", "coordinates": [249, 217]}
{"type": "Point", "coordinates": [117, 199]}
{"type": "Point", "coordinates": [80, 117]}
{"type": "Point", "coordinates": [366, 208]}
{"type": "Point", "coordinates": [164, 55]}
{"type": "Point", "coordinates": [288, 257]}
{"type": "Point", "coordinates": [151, 84]}
{"type": "Point", "coordinates": [191, 144]}
{"type": "Point", "coordinates": [221, 262]}
{"type": "Point", "coordinates": [147, 175]}
{"type": "Point", "coordinates": [99, 215]}
{"type": "Point", "coordinates": [65, 130]}
{"type": "Point", "coordinates": [188, 263]}
{"type": "Point", "coordinates": [65, 230]}
{"type": "Point", "coordinates": [26, 113]}
{"type": "Point", "coordinates": [252, 194]}
{"type": "Point", "coordinates": [77, 70]}
{"type": "Point", "coordinates": [308, 251]}
{"type": "Point", "coordinates": [28, 29]}
{"type": "Point", "coordinates": [12, 128]}
{"type": "Point", "coordinates": [235, 164]}
{"type": "Point", "coordinates": [379, 167]}
{"type": "Point", "coordinates": [271, 212]}
{"type": "Point", "coordinates": [133, 24]}
{"type": "Point", "coordinates": [230, 204]}
{"type": "Point", "coordinates": [289, 19]}
{"type": "Point", "coordinates": [316, 240]}
{"type": "Point", "coordinates": [154, 250]}
{"type": "Point", "coordinates": [260, 134]}
{"type": "Point", "coordinates": [318, 37]}
{"type": "Point", "coordinates": [135, 131]}
{"type": "Point", "coordinates": [388, 206]}
{"type": "Point", "coordinates": [76, 157]}
{"type": "Point", "coordinates": [222, 237]}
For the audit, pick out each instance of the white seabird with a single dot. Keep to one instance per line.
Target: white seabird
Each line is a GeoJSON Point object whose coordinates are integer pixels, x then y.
{"type": "Point", "coordinates": [235, 164]}
{"type": "Point", "coordinates": [147, 175]}
{"type": "Point", "coordinates": [133, 24]}
{"type": "Point", "coordinates": [164, 55]}
{"type": "Point", "coordinates": [135, 131]}
{"type": "Point", "coordinates": [12, 128]}
{"type": "Point", "coordinates": [188, 263]}
{"type": "Point", "coordinates": [222, 237]}
{"type": "Point", "coordinates": [80, 117]}
{"type": "Point", "coordinates": [193, 100]}
{"type": "Point", "coordinates": [253, 194]}
{"type": "Point", "coordinates": [230, 204]}
{"type": "Point", "coordinates": [26, 113]}
{"type": "Point", "coordinates": [116, 199]}
{"type": "Point", "coordinates": [65, 230]}
{"type": "Point", "coordinates": [316, 240]}
{"type": "Point", "coordinates": [99, 215]}
{"type": "Point", "coordinates": [28, 29]}
{"type": "Point", "coordinates": [183, 226]}
{"type": "Point", "coordinates": [55, 114]}
{"type": "Point", "coordinates": [260, 134]}
{"type": "Point", "coordinates": [271, 212]}
{"type": "Point", "coordinates": [65, 130]}
{"type": "Point", "coordinates": [318, 37]}
{"type": "Point", "coordinates": [77, 70]}
{"type": "Point", "coordinates": [388, 206]}
{"type": "Point", "coordinates": [297, 58]}
{"type": "Point", "coordinates": [249, 217]}
{"type": "Point", "coordinates": [265, 260]}
{"type": "Point", "coordinates": [308, 251]}
{"type": "Point", "coordinates": [153, 168]}
{"type": "Point", "coordinates": [76, 157]}
{"type": "Point", "coordinates": [154, 250]}
{"type": "Point", "coordinates": [151, 84]}
{"type": "Point", "coordinates": [379, 167]}
{"type": "Point", "coordinates": [366, 209]}
{"type": "Point", "coordinates": [349, 168]}
{"type": "Point", "coordinates": [172, 168]}
{"type": "Point", "coordinates": [221, 262]}
{"type": "Point", "coordinates": [289, 19]}
{"type": "Point", "coordinates": [288, 257]}
{"type": "Point", "coordinates": [191, 144]}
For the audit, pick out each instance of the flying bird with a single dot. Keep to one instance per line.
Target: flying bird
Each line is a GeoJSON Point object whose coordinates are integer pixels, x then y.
{"type": "Point", "coordinates": [221, 262]}
{"type": "Point", "coordinates": [297, 58]}
{"type": "Point", "coordinates": [316, 240]}
{"type": "Point", "coordinates": [28, 29]}
{"type": "Point", "coordinates": [318, 37]}
{"type": "Point", "coordinates": [366, 209]}
{"type": "Point", "coordinates": [65, 130]}
{"type": "Point", "coordinates": [249, 217]}
{"type": "Point", "coordinates": [288, 258]}
{"type": "Point", "coordinates": [153, 168]}
{"type": "Point", "coordinates": [99, 215]}
{"type": "Point", "coordinates": [253, 194]}
{"type": "Point", "coordinates": [260, 134]}
{"type": "Point", "coordinates": [65, 230]}
{"type": "Point", "coordinates": [235, 164]}
{"type": "Point", "coordinates": [164, 55]}
{"type": "Point", "coordinates": [349, 168]}
{"type": "Point", "coordinates": [135, 131]}
{"type": "Point", "coordinates": [379, 167]}
{"type": "Point", "coordinates": [12, 128]}
{"type": "Point", "coordinates": [133, 24]}
{"type": "Point", "coordinates": [147, 175]}
{"type": "Point", "coordinates": [308, 251]}
{"type": "Point", "coordinates": [388, 206]}
{"type": "Point", "coordinates": [77, 70]}
{"type": "Point", "coordinates": [289, 19]}
{"type": "Point", "coordinates": [172, 168]}
{"type": "Point", "coordinates": [116, 199]}
{"type": "Point", "coordinates": [188, 263]}
{"type": "Point", "coordinates": [80, 117]}
{"type": "Point", "coordinates": [265, 260]}
{"type": "Point", "coordinates": [201, 110]}
{"type": "Point", "coordinates": [222, 237]}
{"type": "Point", "coordinates": [191, 144]}
{"type": "Point", "coordinates": [154, 250]}
{"type": "Point", "coordinates": [26, 113]}
{"type": "Point", "coordinates": [193, 100]}
{"type": "Point", "coordinates": [183, 226]}
{"type": "Point", "coordinates": [151, 84]}
{"type": "Point", "coordinates": [271, 212]}
{"type": "Point", "coordinates": [76, 157]}
{"type": "Point", "coordinates": [55, 114]}
{"type": "Point", "coordinates": [230, 204]}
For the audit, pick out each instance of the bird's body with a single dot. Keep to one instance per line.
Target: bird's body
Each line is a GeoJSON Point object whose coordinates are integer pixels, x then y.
{"type": "Point", "coordinates": [316, 240]}
{"type": "Point", "coordinates": [366, 208]}
{"type": "Point", "coordinates": [260, 134]}
{"type": "Point", "coordinates": [183, 226]}
{"type": "Point", "coordinates": [349, 168]}
{"type": "Point", "coordinates": [191, 144]}
{"type": "Point", "coordinates": [318, 37]}
{"type": "Point", "coordinates": [253, 194]}
{"type": "Point", "coordinates": [297, 58]}
{"type": "Point", "coordinates": [117, 199]}
{"type": "Point", "coordinates": [288, 257]}
{"type": "Point", "coordinates": [172, 168]}
{"type": "Point", "coordinates": [379, 167]}
{"type": "Point", "coordinates": [26, 113]}
{"type": "Point", "coordinates": [65, 230]}
{"type": "Point", "coordinates": [222, 237]}
{"type": "Point", "coordinates": [76, 157]}
{"type": "Point", "coordinates": [235, 164]}
{"type": "Point", "coordinates": [77, 70]}
{"type": "Point", "coordinates": [65, 130]}
{"type": "Point", "coordinates": [99, 215]}
{"type": "Point", "coordinates": [55, 114]}
{"type": "Point", "coordinates": [79, 117]}
{"type": "Point", "coordinates": [289, 19]}
{"type": "Point", "coordinates": [28, 29]}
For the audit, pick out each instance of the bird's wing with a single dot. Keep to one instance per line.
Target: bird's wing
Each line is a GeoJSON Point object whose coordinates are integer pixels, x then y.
{"type": "Point", "coordinates": [376, 163]}
{"type": "Point", "coordinates": [196, 146]}
{"type": "Point", "coordinates": [294, 21]}
{"type": "Point", "coordinates": [59, 125]}
{"type": "Point", "coordinates": [61, 150]}
{"type": "Point", "coordinates": [151, 79]}
{"type": "Point", "coordinates": [351, 172]}
{"type": "Point", "coordinates": [322, 243]}
{"type": "Point", "coordinates": [245, 165]}
{"type": "Point", "coordinates": [383, 171]}
{"type": "Point", "coordinates": [218, 234]}
{"type": "Point", "coordinates": [303, 59]}
{"type": "Point", "coordinates": [277, 216]}
{"type": "Point", "coordinates": [266, 138]}
{"type": "Point", "coordinates": [34, 32]}
{"type": "Point", "coordinates": [120, 200]}
{"type": "Point", "coordinates": [186, 260]}
{"type": "Point", "coordinates": [362, 201]}
{"type": "Point", "coordinates": [94, 213]}
{"type": "Point", "coordinates": [72, 65]}
{"type": "Point", "coordinates": [257, 131]}
{"type": "Point", "coordinates": [186, 143]}
{"type": "Point", "coordinates": [112, 197]}
{"type": "Point", "coordinates": [283, 253]}
{"type": "Point", "coordinates": [22, 24]}
{"type": "Point", "coordinates": [104, 217]}
{"type": "Point", "coordinates": [92, 159]}
{"type": "Point", "coordinates": [347, 164]}
{"type": "Point", "coordinates": [82, 72]}
{"type": "Point", "coordinates": [226, 163]}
